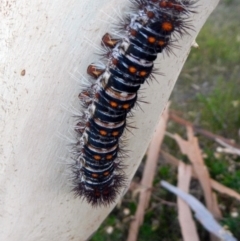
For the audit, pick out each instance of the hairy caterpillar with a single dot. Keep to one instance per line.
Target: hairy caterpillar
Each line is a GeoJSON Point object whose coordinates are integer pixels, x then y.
{"type": "Point", "coordinates": [147, 31]}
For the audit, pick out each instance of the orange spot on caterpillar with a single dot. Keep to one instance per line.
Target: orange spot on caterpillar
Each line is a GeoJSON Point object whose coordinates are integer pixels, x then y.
{"type": "Point", "coordinates": [167, 26]}
{"type": "Point", "coordinates": [95, 175]}
{"type": "Point", "coordinates": [103, 132]}
{"type": "Point", "coordinates": [97, 157]}
{"type": "Point", "coordinates": [109, 157]}
{"type": "Point", "coordinates": [161, 43]}
{"type": "Point", "coordinates": [132, 70]}
{"type": "Point", "coordinates": [126, 106]}
{"type": "Point", "coordinates": [151, 40]}
{"type": "Point", "coordinates": [143, 73]}
{"type": "Point", "coordinates": [115, 133]}
{"type": "Point", "coordinates": [113, 104]}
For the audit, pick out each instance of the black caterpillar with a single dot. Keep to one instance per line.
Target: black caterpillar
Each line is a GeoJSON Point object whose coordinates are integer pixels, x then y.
{"type": "Point", "coordinates": [147, 31]}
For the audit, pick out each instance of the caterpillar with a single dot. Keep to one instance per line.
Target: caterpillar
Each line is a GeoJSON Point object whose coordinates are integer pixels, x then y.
{"type": "Point", "coordinates": [129, 58]}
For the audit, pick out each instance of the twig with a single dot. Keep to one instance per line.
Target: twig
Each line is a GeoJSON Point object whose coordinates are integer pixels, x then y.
{"type": "Point", "coordinates": [192, 150]}
{"type": "Point", "coordinates": [188, 228]}
{"type": "Point", "coordinates": [214, 184]}
{"type": "Point", "coordinates": [201, 213]}
{"type": "Point", "coordinates": [164, 202]}
{"type": "Point", "coordinates": [201, 131]}
{"type": "Point", "coordinates": [148, 177]}
{"type": "Point", "coordinates": [228, 148]}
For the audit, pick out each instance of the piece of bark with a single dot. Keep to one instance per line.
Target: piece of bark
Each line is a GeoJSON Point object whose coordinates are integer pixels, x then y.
{"type": "Point", "coordinates": [187, 224]}
{"type": "Point", "coordinates": [215, 185]}
{"type": "Point", "coordinates": [148, 176]}
{"type": "Point", "coordinates": [192, 150]}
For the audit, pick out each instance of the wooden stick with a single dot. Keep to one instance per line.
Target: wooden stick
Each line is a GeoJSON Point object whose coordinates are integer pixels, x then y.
{"type": "Point", "coordinates": [148, 176]}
